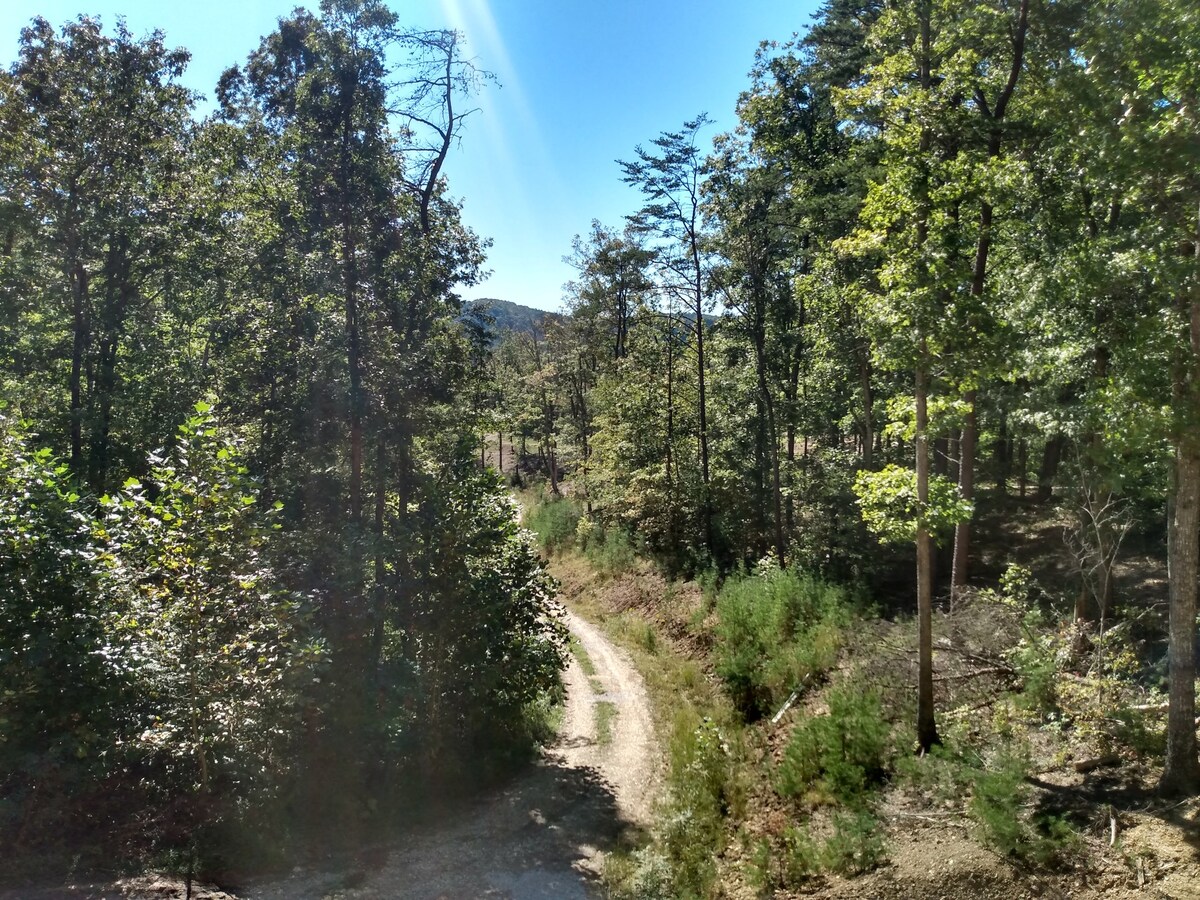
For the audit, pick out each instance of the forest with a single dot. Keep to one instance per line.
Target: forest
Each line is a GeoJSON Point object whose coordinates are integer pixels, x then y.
{"type": "Point", "coordinates": [917, 344]}
{"type": "Point", "coordinates": [251, 577]}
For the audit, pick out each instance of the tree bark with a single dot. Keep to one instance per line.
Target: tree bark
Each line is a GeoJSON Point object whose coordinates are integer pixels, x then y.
{"type": "Point", "coordinates": [966, 487]}
{"type": "Point", "coordinates": [1051, 457]}
{"type": "Point", "coordinates": [1181, 772]}
{"type": "Point", "coordinates": [927, 735]}
{"type": "Point", "coordinates": [80, 327]}
{"type": "Point", "coordinates": [966, 479]}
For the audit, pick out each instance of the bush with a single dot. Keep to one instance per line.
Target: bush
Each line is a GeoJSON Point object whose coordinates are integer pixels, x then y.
{"type": "Point", "coordinates": [776, 630]}
{"type": "Point", "coordinates": [694, 822]}
{"type": "Point", "coordinates": [838, 754]}
{"type": "Point", "coordinates": [554, 521]}
{"type": "Point", "coordinates": [610, 550]}
{"type": "Point", "coordinates": [1000, 794]}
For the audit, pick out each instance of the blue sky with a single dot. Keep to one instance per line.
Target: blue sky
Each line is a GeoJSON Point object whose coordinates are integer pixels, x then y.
{"type": "Point", "coordinates": [582, 83]}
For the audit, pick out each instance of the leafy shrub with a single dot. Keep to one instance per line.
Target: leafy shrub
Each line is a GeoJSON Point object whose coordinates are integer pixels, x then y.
{"type": "Point", "coordinates": [610, 550]}
{"type": "Point", "coordinates": [837, 754]}
{"type": "Point", "coordinates": [149, 654]}
{"type": "Point", "coordinates": [218, 649]}
{"type": "Point", "coordinates": [891, 510]}
{"type": "Point", "coordinates": [64, 695]}
{"type": "Point", "coordinates": [774, 631]}
{"type": "Point", "coordinates": [854, 844]}
{"type": "Point", "coordinates": [643, 875]}
{"type": "Point", "coordinates": [941, 774]}
{"type": "Point", "coordinates": [554, 520]}
{"type": "Point", "coordinates": [489, 645]}
{"type": "Point", "coordinates": [681, 860]}
{"type": "Point", "coordinates": [693, 826]}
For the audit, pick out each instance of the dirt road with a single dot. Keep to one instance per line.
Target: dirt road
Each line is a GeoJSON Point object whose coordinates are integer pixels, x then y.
{"type": "Point", "coordinates": [544, 835]}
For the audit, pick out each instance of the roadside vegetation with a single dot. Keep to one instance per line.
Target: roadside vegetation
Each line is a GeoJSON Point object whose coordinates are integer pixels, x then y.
{"type": "Point", "coordinates": [785, 707]}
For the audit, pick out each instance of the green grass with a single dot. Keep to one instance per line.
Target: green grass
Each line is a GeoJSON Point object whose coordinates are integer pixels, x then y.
{"type": "Point", "coordinates": [606, 711]}
{"type": "Point", "coordinates": [581, 657]}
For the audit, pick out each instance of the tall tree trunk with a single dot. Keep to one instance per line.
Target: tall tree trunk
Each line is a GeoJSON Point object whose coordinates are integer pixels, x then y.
{"type": "Point", "coordinates": [669, 455]}
{"type": "Point", "coordinates": [966, 487]}
{"type": "Point", "coordinates": [1022, 467]}
{"type": "Point", "coordinates": [1181, 772]}
{"type": "Point", "coordinates": [702, 402]}
{"type": "Point", "coordinates": [1002, 456]}
{"type": "Point", "coordinates": [771, 442]}
{"type": "Point", "coordinates": [1051, 458]}
{"type": "Point", "coordinates": [927, 735]}
{"type": "Point", "coordinates": [864, 381]}
{"type": "Point", "coordinates": [354, 361]}
{"type": "Point", "coordinates": [80, 328]}
{"type": "Point", "coordinates": [966, 480]}
{"type": "Point", "coordinates": [379, 597]}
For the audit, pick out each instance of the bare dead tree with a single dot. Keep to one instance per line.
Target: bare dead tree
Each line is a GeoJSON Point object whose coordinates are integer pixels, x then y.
{"type": "Point", "coordinates": [1101, 521]}
{"type": "Point", "coordinates": [436, 79]}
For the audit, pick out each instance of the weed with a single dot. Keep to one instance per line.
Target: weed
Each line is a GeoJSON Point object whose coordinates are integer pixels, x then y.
{"type": "Point", "coordinates": [853, 846]}
{"type": "Point", "coordinates": [581, 657]}
{"type": "Point", "coordinates": [1000, 793]}
{"type": "Point", "coordinates": [693, 824]}
{"type": "Point", "coordinates": [610, 550]}
{"type": "Point", "coordinates": [856, 844]}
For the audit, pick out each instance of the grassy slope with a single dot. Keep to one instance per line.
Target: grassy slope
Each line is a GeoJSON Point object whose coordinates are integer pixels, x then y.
{"type": "Point", "coordinates": [935, 835]}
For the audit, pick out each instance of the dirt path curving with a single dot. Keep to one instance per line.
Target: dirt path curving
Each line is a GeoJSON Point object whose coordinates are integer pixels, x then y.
{"type": "Point", "coordinates": [542, 836]}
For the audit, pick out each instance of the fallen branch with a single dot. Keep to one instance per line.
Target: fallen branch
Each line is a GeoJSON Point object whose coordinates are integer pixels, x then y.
{"type": "Point", "coordinates": [1096, 762]}
{"type": "Point", "coordinates": [995, 670]}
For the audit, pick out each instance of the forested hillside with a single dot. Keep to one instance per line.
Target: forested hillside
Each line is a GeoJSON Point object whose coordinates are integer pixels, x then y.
{"type": "Point", "coordinates": [888, 398]}
{"type": "Point", "coordinates": [499, 316]}
{"type": "Point", "coordinates": [254, 591]}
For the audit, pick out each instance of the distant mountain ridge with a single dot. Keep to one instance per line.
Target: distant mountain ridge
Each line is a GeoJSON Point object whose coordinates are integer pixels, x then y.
{"type": "Point", "coordinates": [509, 316]}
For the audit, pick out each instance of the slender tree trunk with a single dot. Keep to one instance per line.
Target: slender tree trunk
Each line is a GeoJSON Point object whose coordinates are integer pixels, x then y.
{"type": "Point", "coordinates": [1181, 773]}
{"type": "Point", "coordinates": [864, 380]}
{"type": "Point", "coordinates": [669, 455]}
{"type": "Point", "coordinates": [702, 402]}
{"type": "Point", "coordinates": [927, 735]}
{"type": "Point", "coordinates": [1051, 457]}
{"type": "Point", "coordinates": [80, 331]}
{"type": "Point", "coordinates": [354, 350]}
{"type": "Point", "coordinates": [379, 611]}
{"type": "Point", "coordinates": [771, 441]}
{"type": "Point", "coordinates": [1023, 467]}
{"type": "Point", "coordinates": [1002, 456]}
{"type": "Point", "coordinates": [966, 487]}
{"type": "Point", "coordinates": [966, 480]}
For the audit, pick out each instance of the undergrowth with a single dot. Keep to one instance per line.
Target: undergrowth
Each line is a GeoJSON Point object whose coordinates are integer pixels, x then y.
{"type": "Point", "coordinates": [777, 631]}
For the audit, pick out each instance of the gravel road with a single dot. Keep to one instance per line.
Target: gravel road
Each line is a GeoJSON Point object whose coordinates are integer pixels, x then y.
{"type": "Point", "coordinates": [544, 835]}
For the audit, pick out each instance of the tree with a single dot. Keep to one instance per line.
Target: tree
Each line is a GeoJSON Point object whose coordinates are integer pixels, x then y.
{"type": "Point", "coordinates": [97, 179]}
{"type": "Point", "coordinates": [671, 182]}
